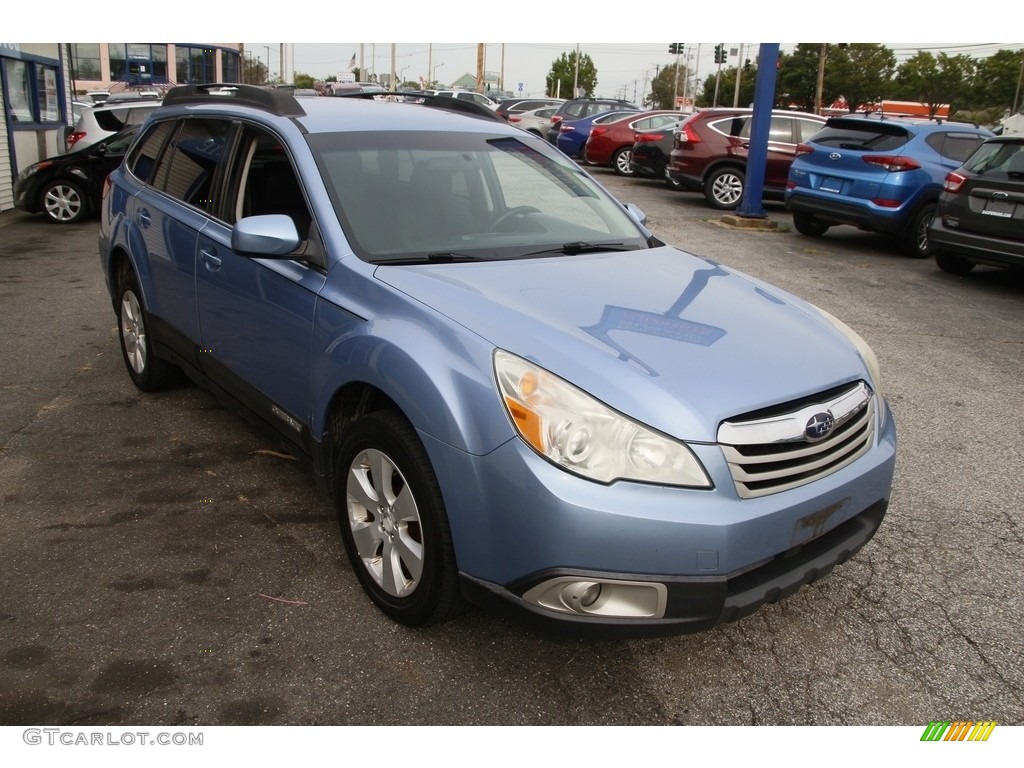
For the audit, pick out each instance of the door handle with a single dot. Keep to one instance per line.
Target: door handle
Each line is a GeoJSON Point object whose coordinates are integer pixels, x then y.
{"type": "Point", "coordinates": [142, 216]}
{"type": "Point", "coordinates": [210, 259]}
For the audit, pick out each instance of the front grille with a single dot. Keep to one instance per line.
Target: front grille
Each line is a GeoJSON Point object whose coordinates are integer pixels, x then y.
{"type": "Point", "coordinates": [774, 453]}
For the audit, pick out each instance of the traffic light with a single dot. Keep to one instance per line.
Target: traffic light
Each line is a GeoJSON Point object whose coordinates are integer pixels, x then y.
{"type": "Point", "coordinates": [720, 54]}
{"type": "Point", "coordinates": [676, 48]}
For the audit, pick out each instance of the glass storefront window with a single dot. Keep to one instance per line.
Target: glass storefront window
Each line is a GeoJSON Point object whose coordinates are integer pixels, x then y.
{"type": "Point", "coordinates": [19, 91]}
{"type": "Point", "coordinates": [33, 93]}
{"type": "Point", "coordinates": [85, 61]}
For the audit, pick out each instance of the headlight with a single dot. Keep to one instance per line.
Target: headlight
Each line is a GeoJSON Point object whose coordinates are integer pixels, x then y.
{"type": "Point", "coordinates": [33, 169]}
{"type": "Point", "coordinates": [866, 354]}
{"type": "Point", "coordinates": [582, 435]}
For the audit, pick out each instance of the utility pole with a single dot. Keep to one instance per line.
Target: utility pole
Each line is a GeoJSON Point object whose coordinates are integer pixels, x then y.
{"type": "Point", "coordinates": [479, 67]}
{"type": "Point", "coordinates": [576, 74]}
{"type": "Point", "coordinates": [394, 71]}
{"type": "Point", "coordinates": [739, 72]}
{"type": "Point", "coordinates": [819, 88]}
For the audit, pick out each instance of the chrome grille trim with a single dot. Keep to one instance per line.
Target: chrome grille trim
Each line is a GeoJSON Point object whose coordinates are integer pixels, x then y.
{"type": "Point", "coordinates": [772, 454]}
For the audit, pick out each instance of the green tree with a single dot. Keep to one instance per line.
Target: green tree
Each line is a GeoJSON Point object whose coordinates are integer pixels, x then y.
{"type": "Point", "coordinates": [564, 73]}
{"type": "Point", "coordinates": [796, 80]}
{"type": "Point", "coordinates": [254, 71]}
{"type": "Point", "coordinates": [860, 72]}
{"type": "Point", "coordinates": [727, 87]}
{"type": "Point", "coordinates": [935, 80]}
{"type": "Point", "coordinates": [665, 87]}
{"type": "Point", "coordinates": [302, 80]}
{"type": "Point", "coordinates": [997, 80]}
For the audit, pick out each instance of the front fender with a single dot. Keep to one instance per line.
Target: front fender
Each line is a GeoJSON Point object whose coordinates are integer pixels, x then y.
{"type": "Point", "coordinates": [436, 372]}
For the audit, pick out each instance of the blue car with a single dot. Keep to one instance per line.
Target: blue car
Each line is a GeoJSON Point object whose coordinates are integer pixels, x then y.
{"type": "Point", "coordinates": [878, 173]}
{"type": "Point", "coordinates": [573, 134]}
{"type": "Point", "coordinates": [515, 394]}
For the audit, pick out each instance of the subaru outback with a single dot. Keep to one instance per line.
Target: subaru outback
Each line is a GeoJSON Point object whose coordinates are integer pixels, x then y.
{"type": "Point", "coordinates": [515, 393]}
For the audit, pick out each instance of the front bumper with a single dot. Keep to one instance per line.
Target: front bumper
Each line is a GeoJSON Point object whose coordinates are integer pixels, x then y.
{"type": "Point", "coordinates": [691, 604]}
{"type": "Point", "coordinates": [670, 560]}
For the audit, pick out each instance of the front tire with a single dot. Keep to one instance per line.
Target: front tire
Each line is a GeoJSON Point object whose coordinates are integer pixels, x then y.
{"type": "Point", "coordinates": [393, 521]}
{"type": "Point", "coordinates": [724, 188]}
{"type": "Point", "coordinates": [64, 202]}
{"type": "Point", "coordinates": [148, 372]}
{"type": "Point", "coordinates": [621, 162]}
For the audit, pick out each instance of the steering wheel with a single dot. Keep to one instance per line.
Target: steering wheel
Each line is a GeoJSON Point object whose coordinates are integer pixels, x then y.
{"type": "Point", "coordinates": [511, 213]}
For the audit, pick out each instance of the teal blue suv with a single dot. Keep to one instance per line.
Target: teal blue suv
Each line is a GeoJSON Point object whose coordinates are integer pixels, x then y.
{"type": "Point", "coordinates": [880, 174]}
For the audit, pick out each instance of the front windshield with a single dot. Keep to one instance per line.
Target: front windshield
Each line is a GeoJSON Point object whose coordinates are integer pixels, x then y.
{"type": "Point", "coordinates": [404, 195]}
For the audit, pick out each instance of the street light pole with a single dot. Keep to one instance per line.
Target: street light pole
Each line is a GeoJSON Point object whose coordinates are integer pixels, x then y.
{"type": "Point", "coordinates": [268, 62]}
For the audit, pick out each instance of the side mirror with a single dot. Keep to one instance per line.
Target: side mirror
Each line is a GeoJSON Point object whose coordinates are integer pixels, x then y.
{"type": "Point", "coordinates": [269, 236]}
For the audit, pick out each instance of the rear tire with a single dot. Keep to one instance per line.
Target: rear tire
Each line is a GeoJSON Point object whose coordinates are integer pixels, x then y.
{"type": "Point", "coordinates": [954, 265]}
{"type": "Point", "coordinates": [807, 224]}
{"type": "Point", "coordinates": [147, 371]}
{"type": "Point", "coordinates": [724, 188]}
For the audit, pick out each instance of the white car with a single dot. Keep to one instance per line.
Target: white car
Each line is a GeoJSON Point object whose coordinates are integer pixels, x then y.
{"type": "Point", "coordinates": [535, 121]}
{"type": "Point", "coordinates": [479, 98]}
{"type": "Point", "coordinates": [107, 119]}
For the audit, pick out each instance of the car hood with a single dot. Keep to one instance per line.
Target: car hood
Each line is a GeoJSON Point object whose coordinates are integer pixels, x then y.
{"type": "Point", "coordinates": [673, 340]}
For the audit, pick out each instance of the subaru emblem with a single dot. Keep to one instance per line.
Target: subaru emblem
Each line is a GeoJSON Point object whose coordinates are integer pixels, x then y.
{"type": "Point", "coordinates": [819, 425]}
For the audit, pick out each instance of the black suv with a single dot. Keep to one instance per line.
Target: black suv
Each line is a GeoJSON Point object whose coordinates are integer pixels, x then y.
{"type": "Point", "coordinates": [574, 109]}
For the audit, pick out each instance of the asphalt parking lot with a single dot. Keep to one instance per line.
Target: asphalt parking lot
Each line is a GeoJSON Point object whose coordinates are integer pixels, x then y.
{"type": "Point", "coordinates": [161, 563]}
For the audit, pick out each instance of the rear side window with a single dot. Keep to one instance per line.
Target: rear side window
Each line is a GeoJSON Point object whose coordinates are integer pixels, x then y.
{"type": "Point", "coordinates": [998, 157]}
{"type": "Point", "coordinates": [112, 119]}
{"type": "Point", "coordinates": [732, 126]}
{"type": "Point", "coordinates": [186, 169]}
{"type": "Point", "coordinates": [955, 146]}
{"type": "Point", "coordinates": [862, 135]}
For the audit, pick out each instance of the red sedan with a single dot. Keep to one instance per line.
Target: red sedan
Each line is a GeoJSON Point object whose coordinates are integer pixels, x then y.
{"type": "Point", "coordinates": [611, 144]}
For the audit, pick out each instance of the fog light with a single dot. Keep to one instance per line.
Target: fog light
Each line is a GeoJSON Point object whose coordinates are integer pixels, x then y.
{"type": "Point", "coordinates": [606, 598]}
{"type": "Point", "coordinates": [581, 594]}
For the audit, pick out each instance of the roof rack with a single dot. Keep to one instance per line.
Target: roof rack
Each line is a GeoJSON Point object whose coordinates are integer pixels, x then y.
{"type": "Point", "coordinates": [278, 101]}
{"type": "Point", "coordinates": [428, 99]}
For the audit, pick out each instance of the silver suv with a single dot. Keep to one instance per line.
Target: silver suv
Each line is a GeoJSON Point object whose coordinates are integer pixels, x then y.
{"type": "Point", "coordinates": [106, 119]}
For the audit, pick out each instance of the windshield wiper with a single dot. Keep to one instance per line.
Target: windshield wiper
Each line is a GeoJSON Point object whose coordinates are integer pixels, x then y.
{"type": "Point", "coordinates": [434, 257]}
{"type": "Point", "coordinates": [571, 249]}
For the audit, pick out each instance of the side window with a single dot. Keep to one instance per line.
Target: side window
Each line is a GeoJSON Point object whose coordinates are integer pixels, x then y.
{"type": "Point", "coordinates": [112, 119]}
{"type": "Point", "coordinates": [267, 181]}
{"type": "Point", "coordinates": [806, 129]}
{"type": "Point", "coordinates": [574, 111]}
{"type": "Point", "coordinates": [143, 158]}
{"type": "Point", "coordinates": [781, 130]}
{"type": "Point", "coordinates": [186, 169]}
{"type": "Point", "coordinates": [955, 146]}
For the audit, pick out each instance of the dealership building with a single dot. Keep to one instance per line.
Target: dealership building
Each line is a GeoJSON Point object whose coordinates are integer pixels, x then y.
{"type": "Point", "coordinates": [40, 81]}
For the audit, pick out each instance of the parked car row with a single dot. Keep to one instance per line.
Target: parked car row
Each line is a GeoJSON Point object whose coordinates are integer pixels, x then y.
{"type": "Point", "coordinates": [935, 186]}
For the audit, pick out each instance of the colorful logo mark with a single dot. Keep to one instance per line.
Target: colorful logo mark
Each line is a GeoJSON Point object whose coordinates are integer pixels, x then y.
{"type": "Point", "coordinates": [958, 730]}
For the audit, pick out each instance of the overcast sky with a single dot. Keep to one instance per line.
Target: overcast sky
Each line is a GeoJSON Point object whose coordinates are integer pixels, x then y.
{"type": "Point", "coordinates": [626, 43]}
{"type": "Point", "coordinates": [623, 68]}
